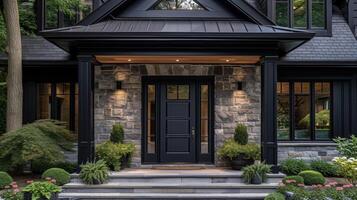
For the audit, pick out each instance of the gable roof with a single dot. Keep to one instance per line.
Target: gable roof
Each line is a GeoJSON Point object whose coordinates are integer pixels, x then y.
{"type": "Point", "coordinates": [112, 6]}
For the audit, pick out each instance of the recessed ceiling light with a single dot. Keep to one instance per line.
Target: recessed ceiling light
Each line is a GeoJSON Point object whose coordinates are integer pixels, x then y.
{"type": "Point", "coordinates": [129, 60]}
{"type": "Point", "coordinates": [177, 60]}
{"type": "Point", "coordinates": [227, 60]}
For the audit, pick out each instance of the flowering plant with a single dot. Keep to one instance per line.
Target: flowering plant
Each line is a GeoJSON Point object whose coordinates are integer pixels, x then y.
{"type": "Point", "coordinates": [12, 192]}
{"type": "Point", "coordinates": [347, 167]}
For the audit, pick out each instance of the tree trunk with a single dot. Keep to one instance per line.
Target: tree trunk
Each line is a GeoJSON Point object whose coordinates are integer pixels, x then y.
{"type": "Point", "coordinates": [14, 76]}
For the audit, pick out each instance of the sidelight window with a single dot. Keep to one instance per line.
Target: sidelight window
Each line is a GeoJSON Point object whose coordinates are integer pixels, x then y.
{"type": "Point", "coordinates": [304, 110]}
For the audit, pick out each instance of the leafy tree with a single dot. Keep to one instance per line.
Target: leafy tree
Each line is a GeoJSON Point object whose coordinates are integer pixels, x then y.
{"type": "Point", "coordinates": [43, 140]}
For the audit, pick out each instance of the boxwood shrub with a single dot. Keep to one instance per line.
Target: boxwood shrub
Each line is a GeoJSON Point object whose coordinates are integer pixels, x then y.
{"type": "Point", "coordinates": [297, 180]}
{"type": "Point", "coordinates": [312, 177]}
{"type": "Point", "coordinates": [60, 175]}
{"type": "Point", "coordinates": [325, 168]}
{"type": "Point", "coordinates": [5, 179]}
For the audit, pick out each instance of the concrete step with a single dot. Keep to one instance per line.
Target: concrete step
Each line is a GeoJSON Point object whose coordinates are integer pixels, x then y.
{"type": "Point", "coordinates": [170, 188]}
{"type": "Point", "coordinates": [157, 196]}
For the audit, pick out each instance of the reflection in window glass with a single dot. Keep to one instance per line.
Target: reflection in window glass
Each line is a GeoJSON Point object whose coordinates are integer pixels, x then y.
{"type": "Point", "coordinates": [171, 91]}
{"type": "Point", "coordinates": [44, 102]}
{"type": "Point", "coordinates": [302, 110]}
{"type": "Point", "coordinates": [151, 129]}
{"type": "Point", "coordinates": [63, 102]}
{"type": "Point", "coordinates": [183, 92]}
{"type": "Point", "coordinates": [318, 13]}
{"type": "Point", "coordinates": [204, 119]}
{"type": "Point", "coordinates": [178, 5]}
{"type": "Point", "coordinates": [282, 13]}
{"type": "Point", "coordinates": [283, 114]}
{"type": "Point", "coordinates": [300, 11]}
{"type": "Point", "coordinates": [51, 15]}
{"type": "Point", "coordinates": [322, 110]}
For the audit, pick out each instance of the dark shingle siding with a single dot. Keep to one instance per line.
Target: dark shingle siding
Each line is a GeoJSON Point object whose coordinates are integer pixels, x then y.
{"type": "Point", "coordinates": [342, 46]}
{"type": "Point", "coordinates": [36, 48]}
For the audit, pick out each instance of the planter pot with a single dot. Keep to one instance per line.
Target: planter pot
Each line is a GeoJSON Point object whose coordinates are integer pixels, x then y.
{"type": "Point", "coordinates": [96, 182]}
{"type": "Point", "coordinates": [125, 162]}
{"type": "Point", "coordinates": [240, 162]}
{"type": "Point", "coordinates": [257, 180]}
{"type": "Point", "coordinates": [28, 196]}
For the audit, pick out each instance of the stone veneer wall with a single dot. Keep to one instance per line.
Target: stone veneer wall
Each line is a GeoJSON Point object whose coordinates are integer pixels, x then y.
{"type": "Point", "coordinates": [124, 106]}
{"type": "Point", "coordinates": [307, 151]}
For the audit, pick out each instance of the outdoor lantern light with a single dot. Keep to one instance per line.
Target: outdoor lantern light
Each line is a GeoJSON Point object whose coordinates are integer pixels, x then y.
{"type": "Point", "coordinates": [239, 85]}
{"type": "Point", "coordinates": [118, 83]}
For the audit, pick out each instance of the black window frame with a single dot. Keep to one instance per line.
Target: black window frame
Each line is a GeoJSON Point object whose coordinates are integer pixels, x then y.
{"type": "Point", "coordinates": [312, 110]}
{"type": "Point", "coordinates": [327, 32]}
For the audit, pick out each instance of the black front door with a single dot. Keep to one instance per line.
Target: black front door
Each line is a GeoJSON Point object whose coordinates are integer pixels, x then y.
{"type": "Point", "coordinates": [177, 122]}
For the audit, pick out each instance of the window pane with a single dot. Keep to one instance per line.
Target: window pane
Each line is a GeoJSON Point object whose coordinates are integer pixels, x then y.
{"type": "Point", "coordinates": [51, 15]}
{"type": "Point", "coordinates": [302, 110]}
{"type": "Point", "coordinates": [322, 110]}
{"type": "Point", "coordinates": [183, 91]}
{"type": "Point", "coordinates": [204, 119]}
{"type": "Point", "coordinates": [63, 102]}
{"type": "Point", "coordinates": [300, 11]}
{"type": "Point", "coordinates": [283, 117]}
{"type": "Point", "coordinates": [151, 120]}
{"type": "Point", "coordinates": [282, 13]}
{"type": "Point", "coordinates": [171, 91]}
{"type": "Point", "coordinates": [44, 103]}
{"type": "Point", "coordinates": [318, 14]}
{"type": "Point", "coordinates": [178, 5]}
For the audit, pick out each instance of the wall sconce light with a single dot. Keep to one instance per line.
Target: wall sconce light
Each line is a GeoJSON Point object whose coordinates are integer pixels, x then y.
{"type": "Point", "coordinates": [119, 85]}
{"type": "Point", "coordinates": [239, 85]}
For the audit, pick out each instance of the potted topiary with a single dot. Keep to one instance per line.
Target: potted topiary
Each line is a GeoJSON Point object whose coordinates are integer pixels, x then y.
{"type": "Point", "coordinates": [94, 173]}
{"type": "Point", "coordinates": [256, 173]}
{"type": "Point", "coordinates": [41, 191]}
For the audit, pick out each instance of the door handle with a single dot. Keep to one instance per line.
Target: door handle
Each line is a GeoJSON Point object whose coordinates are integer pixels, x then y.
{"type": "Point", "coordinates": [193, 131]}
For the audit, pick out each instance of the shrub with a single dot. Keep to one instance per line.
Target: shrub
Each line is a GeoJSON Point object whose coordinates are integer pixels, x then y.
{"type": "Point", "coordinates": [117, 134]}
{"type": "Point", "coordinates": [42, 190]}
{"type": "Point", "coordinates": [275, 196]}
{"type": "Point", "coordinates": [241, 134]}
{"type": "Point", "coordinates": [61, 176]}
{"type": "Point", "coordinates": [293, 167]}
{"type": "Point", "coordinates": [325, 168]}
{"type": "Point", "coordinates": [113, 153]}
{"type": "Point", "coordinates": [5, 179]}
{"type": "Point", "coordinates": [347, 146]}
{"type": "Point", "coordinates": [347, 168]}
{"type": "Point", "coordinates": [293, 180]}
{"type": "Point", "coordinates": [42, 140]}
{"type": "Point", "coordinates": [256, 169]}
{"type": "Point", "coordinates": [312, 177]}
{"type": "Point", "coordinates": [94, 172]}
{"type": "Point", "coordinates": [67, 166]}
{"type": "Point", "coordinates": [39, 166]}
{"type": "Point", "coordinates": [230, 150]}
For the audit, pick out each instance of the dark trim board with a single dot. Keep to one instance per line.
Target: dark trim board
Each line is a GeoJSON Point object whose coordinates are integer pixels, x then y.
{"type": "Point", "coordinates": [159, 80]}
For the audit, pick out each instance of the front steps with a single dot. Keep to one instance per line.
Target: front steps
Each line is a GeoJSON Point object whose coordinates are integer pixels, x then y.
{"type": "Point", "coordinates": [172, 184]}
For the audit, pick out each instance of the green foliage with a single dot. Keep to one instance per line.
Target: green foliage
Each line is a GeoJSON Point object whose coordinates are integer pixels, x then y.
{"type": "Point", "coordinates": [347, 168]}
{"type": "Point", "coordinates": [322, 118]}
{"type": "Point", "coordinates": [5, 179]}
{"type": "Point", "coordinates": [292, 166]}
{"type": "Point", "coordinates": [347, 146]}
{"type": "Point", "coordinates": [60, 175]}
{"type": "Point", "coordinates": [275, 196]}
{"type": "Point", "coordinates": [94, 172]}
{"type": "Point", "coordinates": [114, 153]}
{"type": "Point", "coordinates": [293, 180]}
{"type": "Point", "coordinates": [241, 134]}
{"type": "Point", "coordinates": [312, 177]}
{"type": "Point", "coordinates": [43, 189]}
{"type": "Point", "coordinates": [230, 150]}
{"type": "Point", "coordinates": [117, 134]}
{"type": "Point", "coordinates": [40, 166]}
{"type": "Point", "coordinates": [42, 140]}
{"type": "Point", "coordinates": [260, 170]}
{"type": "Point", "coordinates": [325, 168]}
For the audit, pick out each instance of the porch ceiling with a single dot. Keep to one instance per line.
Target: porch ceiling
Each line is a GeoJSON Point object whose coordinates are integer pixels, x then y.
{"type": "Point", "coordinates": [229, 59]}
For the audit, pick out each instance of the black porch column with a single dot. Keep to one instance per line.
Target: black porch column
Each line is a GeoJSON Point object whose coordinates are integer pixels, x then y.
{"type": "Point", "coordinates": [269, 137]}
{"type": "Point", "coordinates": [85, 112]}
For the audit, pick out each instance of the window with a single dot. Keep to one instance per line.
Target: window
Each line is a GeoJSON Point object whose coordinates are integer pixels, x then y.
{"type": "Point", "coordinates": [302, 14]}
{"type": "Point", "coordinates": [178, 92]}
{"type": "Point", "coordinates": [304, 110]}
{"type": "Point", "coordinates": [177, 5]}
